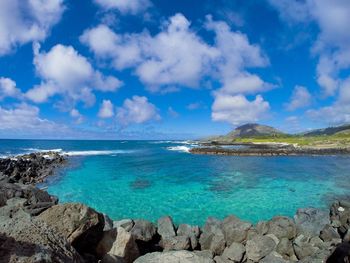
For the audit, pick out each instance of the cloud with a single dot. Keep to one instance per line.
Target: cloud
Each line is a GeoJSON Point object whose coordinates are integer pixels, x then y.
{"type": "Point", "coordinates": [195, 106]}
{"type": "Point", "coordinates": [8, 89]}
{"type": "Point", "coordinates": [137, 110]}
{"type": "Point", "coordinates": [237, 109]}
{"type": "Point", "coordinates": [125, 6]}
{"type": "Point", "coordinates": [23, 21]}
{"type": "Point", "coordinates": [172, 113]}
{"type": "Point", "coordinates": [106, 109]}
{"type": "Point", "coordinates": [79, 118]}
{"type": "Point", "coordinates": [67, 73]}
{"type": "Point", "coordinates": [301, 98]}
{"type": "Point", "coordinates": [333, 41]}
{"type": "Point", "coordinates": [25, 118]}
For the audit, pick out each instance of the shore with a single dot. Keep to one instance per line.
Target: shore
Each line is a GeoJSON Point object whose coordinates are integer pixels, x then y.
{"type": "Point", "coordinates": [34, 227]}
{"type": "Point", "coordinates": [266, 149]}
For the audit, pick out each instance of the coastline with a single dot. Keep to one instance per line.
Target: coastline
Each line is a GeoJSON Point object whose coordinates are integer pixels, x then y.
{"type": "Point", "coordinates": [312, 235]}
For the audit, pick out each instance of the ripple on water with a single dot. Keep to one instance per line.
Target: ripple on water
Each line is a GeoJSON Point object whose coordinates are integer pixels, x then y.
{"type": "Point", "coordinates": [140, 183]}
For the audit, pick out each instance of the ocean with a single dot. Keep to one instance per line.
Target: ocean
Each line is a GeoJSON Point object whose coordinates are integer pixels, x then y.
{"type": "Point", "coordinates": [149, 179]}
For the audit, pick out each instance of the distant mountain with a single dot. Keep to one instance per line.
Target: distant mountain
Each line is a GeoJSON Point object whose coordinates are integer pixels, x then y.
{"type": "Point", "coordinates": [343, 129]}
{"type": "Point", "coordinates": [254, 130]}
{"type": "Point", "coordinates": [248, 130]}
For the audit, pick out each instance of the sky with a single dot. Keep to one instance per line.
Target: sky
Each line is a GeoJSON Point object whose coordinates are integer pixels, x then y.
{"type": "Point", "coordinates": [156, 69]}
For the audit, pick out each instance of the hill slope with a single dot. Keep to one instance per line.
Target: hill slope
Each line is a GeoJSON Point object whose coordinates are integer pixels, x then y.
{"type": "Point", "coordinates": [343, 129]}
{"type": "Point", "coordinates": [253, 130]}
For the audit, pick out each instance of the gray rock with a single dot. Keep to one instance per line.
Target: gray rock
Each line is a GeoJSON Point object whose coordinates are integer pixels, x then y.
{"type": "Point", "coordinates": [127, 224]}
{"type": "Point", "coordinates": [192, 232]}
{"type": "Point", "coordinates": [27, 239]}
{"type": "Point", "coordinates": [81, 225]}
{"type": "Point", "coordinates": [234, 252]}
{"type": "Point", "coordinates": [262, 227]}
{"type": "Point", "coordinates": [310, 221]}
{"type": "Point", "coordinates": [204, 253]}
{"type": "Point", "coordinates": [285, 248]}
{"type": "Point", "coordinates": [259, 247]}
{"type": "Point", "coordinates": [125, 246]}
{"type": "Point", "coordinates": [108, 223]}
{"type": "Point", "coordinates": [220, 259]}
{"type": "Point", "coordinates": [273, 257]}
{"type": "Point", "coordinates": [106, 242]}
{"type": "Point", "coordinates": [111, 259]}
{"type": "Point", "coordinates": [173, 257]}
{"type": "Point", "coordinates": [212, 237]}
{"type": "Point", "coordinates": [303, 248]}
{"type": "Point", "coordinates": [3, 199]}
{"type": "Point", "coordinates": [166, 227]}
{"type": "Point", "coordinates": [235, 230]}
{"type": "Point", "coordinates": [282, 226]}
{"type": "Point", "coordinates": [329, 233]}
{"type": "Point", "coordinates": [175, 243]}
{"type": "Point", "coordinates": [143, 230]}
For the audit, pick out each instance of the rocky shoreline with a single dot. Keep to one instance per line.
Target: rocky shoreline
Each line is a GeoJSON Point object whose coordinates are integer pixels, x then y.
{"type": "Point", "coordinates": [34, 227]}
{"type": "Point", "coordinates": [250, 149]}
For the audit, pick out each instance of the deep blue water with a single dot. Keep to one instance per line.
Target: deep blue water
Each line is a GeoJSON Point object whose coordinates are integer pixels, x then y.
{"type": "Point", "coordinates": [149, 179]}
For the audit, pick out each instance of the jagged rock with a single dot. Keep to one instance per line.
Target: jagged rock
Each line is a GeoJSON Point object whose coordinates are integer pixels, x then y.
{"type": "Point", "coordinates": [106, 242]}
{"type": "Point", "coordinates": [235, 230]}
{"type": "Point", "coordinates": [108, 223]}
{"type": "Point", "coordinates": [234, 252]}
{"type": "Point", "coordinates": [166, 227]}
{"type": "Point", "coordinates": [285, 248]}
{"type": "Point", "coordinates": [81, 225]}
{"type": "Point", "coordinates": [212, 237]}
{"type": "Point", "coordinates": [3, 199]}
{"type": "Point", "coordinates": [259, 247]}
{"type": "Point", "coordinates": [303, 248]}
{"type": "Point", "coordinates": [341, 254]}
{"type": "Point", "coordinates": [173, 257]}
{"type": "Point", "coordinates": [204, 253]}
{"type": "Point", "coordinates": [125, 246]}
{"type": "Point", "coordinates": [111, 259]}
{"type": "Point", "coordinates": [310, 221]}
{"type": "Point", "coordinates": [220, 259]}
{"type": "Point", "coordinates": [143, 230]}
{"type": "Point", "coordinates": [252, 233]}
{"type": "Point", "coordinates": [175, 243]}
{"type": "Point", "coordinates": [127, 224]}
{"type": "Point", "coordinates": [27, 239]}
{"type": "Point", "coordinates": [192, 232]}
{"type": "Point", "coordinates": [329, 233]}
{"type": "Point", "coordinates": [282, 226]}
{"type": "Point", "coordinates": [340, 216]}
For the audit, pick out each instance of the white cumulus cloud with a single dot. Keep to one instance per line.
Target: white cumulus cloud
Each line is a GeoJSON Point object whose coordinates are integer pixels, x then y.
{"type": "Point", "coordinates": [8, 89]}
{"type": "Point", "coordinates": [23, 21]}
{"type": "Point", "coordinates": [301, 98]}
{"type": "Point", "coordinates": [106, 109]}
{"type": "Point", "coordinates": [238, 109]}
{"type": "Point", "coordinates": [137, 110]}
{"type": "Point", "coordinates": [67, 73]}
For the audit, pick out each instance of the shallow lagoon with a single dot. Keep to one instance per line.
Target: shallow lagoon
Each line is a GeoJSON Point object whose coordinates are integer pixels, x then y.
{"type": "Point", "coordinates": [147, 179]}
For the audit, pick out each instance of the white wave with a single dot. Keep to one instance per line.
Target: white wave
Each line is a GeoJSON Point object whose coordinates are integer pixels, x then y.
{"type": "Point", "coordinates": [179, 148]}
{"type": "Point", "coordinates": [91, 153]}
{"type": "Point", "coordinates": [36, 150]}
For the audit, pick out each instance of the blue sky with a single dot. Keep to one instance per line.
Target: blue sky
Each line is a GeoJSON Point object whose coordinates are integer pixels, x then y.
{"type": "Point", "coordinates": [151, 69]}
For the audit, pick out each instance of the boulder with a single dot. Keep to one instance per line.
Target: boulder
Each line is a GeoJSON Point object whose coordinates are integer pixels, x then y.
{"type": "Point", "coordinates": [173, 257]}
{"type": "Point", "coordinates": [303, 248]}
{"type": "Point", "coordinates": [3, 199]}
{"type": "Point", "coordinates": [127, 224]}
{"type": "Point", "coordinates": [285, 248]}
{"type": "Point", "coordinates": [282, 226]}
{"type": "Point", "coordinates": [124, 246]}
{"type": "Point", "coordinates": [310, 221]}
{"type": "Point", "coordinates": [340, 216]}
{"type": "Point", "coordinates": [262, 227]}
{"type": "Point", "coordinates": [234, 252]}
{"type": "Point", "coordinates": [143, 230]}
{"type": "Point", "coordinates": [220, 259]}
{"type": "Point", "coordinates": [341, 254]}
{"type": "Point", "coordinates": [175, 243]}
{"type": "Point", "coordinates": [259, 247]}
{"type": "Point", "coordinates": [212, 237]}
{"type": "Point", "coordinates": [108, 223]}
{"type": "Point", "coordinates": [235, 230]}
{"type": "Point", "coordinates": [106, 242]}
{"type": "Point", "coordinates": [192, 232]}
{"type": "Point", "coordinates": [273, 257]}
{"type": "Point", "coordinates": [328, 233]}
{"type": "Point", "coordinates": [166, 227]}
{"type": "Point", "coordinates": [27, 239]}
{"type": "Point", "coordinates": [81, 225]}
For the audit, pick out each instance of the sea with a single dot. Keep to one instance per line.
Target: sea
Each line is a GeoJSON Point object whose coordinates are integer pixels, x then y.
{"type": "Point", "coordinates": [150, 179]}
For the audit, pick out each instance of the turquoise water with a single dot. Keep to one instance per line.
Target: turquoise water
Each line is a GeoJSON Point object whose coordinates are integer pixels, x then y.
{"type": "Point", "coordinates": [148, 179]}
